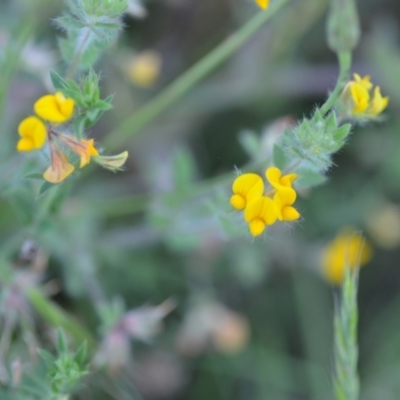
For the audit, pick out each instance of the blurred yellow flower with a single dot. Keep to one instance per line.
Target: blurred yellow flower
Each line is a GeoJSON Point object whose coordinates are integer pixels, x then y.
{"type": "Point", "coordinates": [60, 168]}
{"type": "Point", "coordinates": [144, 68]}
{"type": "Point", "coordinates": [33, 131]}
{"type": "Point", "coordinates": [33, 134]}
{"type": "Point", "coordinates": [245, 188]}
{"type": "Point", "coordinates": [84, 148]}
{"type": "Point", "coordinates": [263, 4]}
{"type": "Point", "coordinates": [348, 249]}
{"type": "Point", "coordinates": [54, 108]}
{"type": "Point", "coordinates": [357, 100]}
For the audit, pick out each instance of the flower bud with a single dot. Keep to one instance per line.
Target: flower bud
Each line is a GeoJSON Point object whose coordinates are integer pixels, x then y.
{"type": "Point", "coordinates": [343, 28]}
{"type": "Point", "coordinates": [113, 163]}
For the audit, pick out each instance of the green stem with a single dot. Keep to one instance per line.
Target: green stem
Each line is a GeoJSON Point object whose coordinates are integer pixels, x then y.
{"type": "Point", "coordinates": [75, 62]}
{"type": "Point", "coordinates": [177, 89]}
{"type": "Point", "coordinates": [346, 380]}
{"type": "Point", "coordinates": [344, 65]}
{"type": "Point", "coordinates": [57, 317]}
{"type": "Point", "coordinates": [46, 204]}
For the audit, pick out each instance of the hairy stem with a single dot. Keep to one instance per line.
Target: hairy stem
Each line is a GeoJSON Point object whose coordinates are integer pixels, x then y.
{"type": "Point", "coordinates": [344, 65]}
{"type": "Point", "coordinates": [182, 85]}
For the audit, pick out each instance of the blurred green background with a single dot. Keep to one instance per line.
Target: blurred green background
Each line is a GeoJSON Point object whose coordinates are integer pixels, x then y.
{"type": "Point", "coordinates": [253, 317]}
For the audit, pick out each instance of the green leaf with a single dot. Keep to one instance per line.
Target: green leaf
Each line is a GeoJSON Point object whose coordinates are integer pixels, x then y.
{"type": "Point", "coordinates": [331, 121]}
{"type": "Point", "coordinates": [78, 126]}
{"type": "Point", "coordinates": [81, 354]}
{"type": "Point", "coordinates": [67, 48]}
{"type": "Point", "coordinates": [45, 187]}
{"type": "Point", "coordinates": [33, 175]}
{"type": "Point", "coordinates": [73, 86]}
{"type": "Point", "coordinates": [309, 178]}
{"type": "Point", "coordinates": [341, 133]}
{"type": "Point", "coordinates": [281, 159]}
{"type": "Point", "coordinates": [62, 346]}
{"type": "Point", "coordinates": [47, 357]}
{"type": "Point", "coordinates": [104, 105]}
{"type": "Point", "coordinates": [108, 25]}
{"type": "Point", "coordinates": [58, 82]}
{"type": "Point", "coordinates": [317, 117]}
{"type": "Point", "coordinates": [93, 116]}
{"type": "Point", "coordinates": [69, 23]}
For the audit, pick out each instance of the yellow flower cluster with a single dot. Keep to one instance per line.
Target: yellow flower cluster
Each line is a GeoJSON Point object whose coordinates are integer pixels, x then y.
{"type": "Point", "coordinates": [53, 109]}
{"type": "Point", "coordinates": [349, 249]}
{"type": "Point", "coordinates": [361, 104]}
{"type": "Point", "coordinates": [263, 4]}
{"type": "Point", "coordinates": [259, 209]}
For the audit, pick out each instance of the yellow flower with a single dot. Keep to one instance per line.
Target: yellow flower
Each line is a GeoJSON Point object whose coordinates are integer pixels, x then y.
{"type": "Point", "coordinates": [84, 148]}
{"type": "Point", "coordinates": [284, 198]}
{"type": "Point", "coordinates": [260, 212]}
{"type": "Point", "coordinates": [144, 69]}
{"type": "Point", "coordinates": [33, 134]}
{"type": "Point", "coordinates": [378, 103]}
{"type": "Point", "coordinates": [277, 181]}
{"type": "Point", "coordinates": [245, 188]}
{"type": "Point", "coordinates": [348, 249]}
{"type": "Point", "coordinates": [360, 96]}
{"type": "Point", "coordinates": [263, 4]}
{"type": "Point", "coordinates": [356, 98]}
{"type": "Point", "coordinates": [55, 108]}
{"type": "Point", "coordinates": [60, 168]}
{"type": "Point", "coordinates": [366, 81]}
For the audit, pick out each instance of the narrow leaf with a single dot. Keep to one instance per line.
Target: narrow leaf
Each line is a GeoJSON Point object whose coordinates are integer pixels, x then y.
{"type": "Point", "coordinates": [57, 81]}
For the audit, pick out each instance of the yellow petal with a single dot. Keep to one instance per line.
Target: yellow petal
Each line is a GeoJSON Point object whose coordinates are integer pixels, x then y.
{"type": "Point", "coordinates": [360, 97]}
{"type": "Point", "coordinates": [290, 214]}
{"type": "Point", "coordinates": [286, 195]}
{"type": "Point", "coordinates": [25, 144]}
{"type": "Point", "coordinates": [84, 148]}
{"type": "Point", "coordinates": [59, 169]}
{"type": "Point", "coordinates": [348, 249]}
{"type": "Point", "coordinates": [366, 81]}
{"type": "Point", "coordinates": [261, 208]}
{"type": "Point", "coordinates": [34, 131]}
{"type": "Point", "coordinates": [55, 108]}
{"type": "Point", "coordinates": [263, 4]}
{"type": "Point", "coordinates": [90, 151]}
{"type": "Point", "coordinates": [247, 187]}
{"type": "Point", "coordinates": [273, 175]}
{"type": "Point", "coordinates": [287, 180]}
{"type": "Point", "coordinates": [378, 103]}
{"type": "Point", "coordinates": [256, 227]}
{"type": "Point", "coordinates": [238, 202]}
